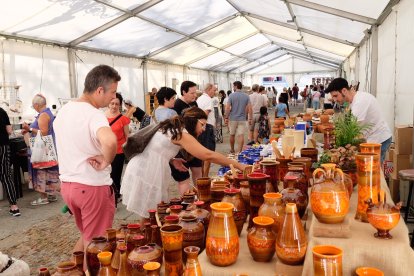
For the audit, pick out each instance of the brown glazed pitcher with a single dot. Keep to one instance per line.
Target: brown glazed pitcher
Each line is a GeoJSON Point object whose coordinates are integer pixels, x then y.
{"type": "Point", "coordinates": [234, 197]}
{"type": "Point", "coordinates": [97, 245]}
{"type": "Point", "coordinates": [261, 239]}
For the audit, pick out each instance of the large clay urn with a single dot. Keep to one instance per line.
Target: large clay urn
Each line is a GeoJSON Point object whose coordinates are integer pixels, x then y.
{"type": "Point", "coordinates": [222, 242]}
{"type": "Point", "coordinates": [234, 197]}
{"type": "Point", "coordinates": [96, 246]}
{"type": "Point", "coordinates": [261, 239]}
{"type": "Point", "coordinates": [329, 198]}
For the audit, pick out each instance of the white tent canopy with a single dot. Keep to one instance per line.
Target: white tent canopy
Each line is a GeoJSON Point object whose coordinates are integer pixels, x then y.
{"type": "Point", "coordinates": [162, 42]}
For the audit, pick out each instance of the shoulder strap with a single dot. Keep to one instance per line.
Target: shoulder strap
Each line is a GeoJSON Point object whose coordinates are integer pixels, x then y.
{"type": "Point", "coordinates": [116, 119]}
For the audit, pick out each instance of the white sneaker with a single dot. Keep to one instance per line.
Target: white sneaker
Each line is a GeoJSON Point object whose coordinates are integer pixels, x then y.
{"type": "Point", "coordinates": [40, 201]}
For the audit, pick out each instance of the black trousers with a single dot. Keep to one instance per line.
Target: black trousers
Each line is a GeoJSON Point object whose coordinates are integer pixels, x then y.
{"type": "Point", "coordinates": [116, 173]}
{"type": "Point", "coordinates": [6, 175]}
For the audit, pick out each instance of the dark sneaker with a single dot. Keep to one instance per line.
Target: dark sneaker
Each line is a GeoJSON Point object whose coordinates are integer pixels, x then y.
{"type": "Point", "coordinates": [14, 213]}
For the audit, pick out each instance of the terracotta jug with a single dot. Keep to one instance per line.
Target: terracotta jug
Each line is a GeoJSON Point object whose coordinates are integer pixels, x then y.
{"type": "Point", "coordinates": [105, 261]}
{"type": "Point", "coordinates": [193, 232]}
{"type": "Point", "coordinates": [69, 269]}
{"type": "Point", "coordinates": [97, 245]}
{"type": "Point", "coordinates": [192, 266]}
{"type": "Point", "coordinates": [257, 187]}
{"type": "Point", "coordinates": [291, 242]}
{"type": "Point", "coordinates": [383, 216]}
{"type": "Point", "coordinates": [171, 219]}
{"type": "Point", "coordinates": [283, 167]}
{"type": "Point", "coordinates": [234, 197]}
{"type": "Point", "coordinates": [273, 208]}
{"type": "Point", "coordinates": [78, 258]}
{"type": "Point", "coordinates": [142, 255]}
{"type": "Point", "coordinates": [261, 239]}
{"type": "Point", "coordinates": [202, 215]}
{"type": "Point", "coordinates": [293, 195]}
{"type": "Point", "coordinates": [222, 243]}
{"type": "Point", "coordinates": [123, 268]}
{"type": "Point", "coordinates": [152, 268]}
{"type": "Point", "coordinates": [172, 242]}
{"type": "Point", "coordinates": [329, 197]}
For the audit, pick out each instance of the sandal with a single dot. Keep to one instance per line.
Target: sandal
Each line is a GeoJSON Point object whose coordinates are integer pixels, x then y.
{"type": "Point", "coordinates": [52, 198]}
{"type": "Point", "coordinates": [39, 201]}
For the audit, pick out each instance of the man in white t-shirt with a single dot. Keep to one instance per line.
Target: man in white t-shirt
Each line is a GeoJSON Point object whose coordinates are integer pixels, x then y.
{"type": "Point", "coordinates": [366, 108]}
{"type": "Point", "coordinates": [208, 137]}
{"type": "Point", "coordinates": [270, 96]}
{"type": "Point", "coordinates": [86, 146]}
{"type": "Point", "coordinates": [257, 101]}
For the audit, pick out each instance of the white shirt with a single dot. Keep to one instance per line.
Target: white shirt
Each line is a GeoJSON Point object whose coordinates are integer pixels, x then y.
{"type": "Point", "coordinates": [328, 98]}
{"type": "Point", "coordinates": [265, 98]}
{"type": "Point", "coordinates": [257, 101]}
{"type": "Point", "coordinates": [366, 108]}
{"type": "Point", "coordinates": [216, 102]}
{"type": "Point", "coordinates": [205, 102]}
{"type": "Point", "coordinates": [270, 94]}
{"type": "Point", "coordinates": [76, 126]}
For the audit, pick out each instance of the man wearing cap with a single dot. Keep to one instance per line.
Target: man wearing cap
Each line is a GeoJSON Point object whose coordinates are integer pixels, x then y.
{"type": "Point", "coordinates": [366, 108]}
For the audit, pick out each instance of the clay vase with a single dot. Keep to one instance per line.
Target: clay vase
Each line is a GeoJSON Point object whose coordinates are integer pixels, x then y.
{"type": "Point", "coordinates": [245, 192]}
{"type": "Point", "coordinates": [152, 217]}
{"type": "Point", "coordinates": [203, 188]}
{"type": "Point", "coordinates": [283, 167]}
{"type": "Point", "coordinates": [105, 261]}
{"type": "Point", "coordinates": [123, 268]}
{"type": "Point", "coordinates": [369, 180]}
{"type": "Point", "coordinates": [171, 219]}
{"type": "Point", "coordinates": [273, 208]}
{"type": "Point", "coordinates": [176, 210]}
{"type": "Point", "coordinates": [257, 187]}
{"type": "Point", "coordinates": [172, 242]}
{"type": "Point", "coordinates": [234, 197]}
{"type": "Point", "coordinates": [222, 242]}
{"type": "Point", "coordinates": [133, 229]}
{"type": "Point", "coordinates": [370, 148]}
{"type": "Point", "coordinates": [237, 180]}
{"type": "Point", "coordinates": [297, 169]}
{"type": "Point", "coordinates": [307, 161]}
{"type": "Point", "coordinates": [270, 168]}
{"type": "Point", "coordinates": [193, 232]}
{"type": "Point", "coordinates": [383, 217]}
{"type": "Point", "coordinates": [192, 266]}
{"type": "Point", "coordinates": [69, 269]}
{"type": "Point", "coordinates": [291, 242]}
{"type": "Point", "coordinates": [97, 245]}
{"type": "Point", "coordinates": [152, 268]}
{"type": "Point", "coordinates": [324, 118]}
{"type": "Point", "coordinates": [202, 215]}
{"type": "Point", "coordinates": [329, 197]}
{"type": "Point", "coordinates": [156, 235]}
{"type": "Point", "coordinates": [142, 255]}
{"type": "Point", "coordinates": [293, 195]}
{"type": "Point", "coordinates": [111, 238]}
{"type": "Point", "coordinates": [327, 260]}
{"type": "Point", "coordinates": [312, 153]}
{"type": "Point", "coordinates": [78, 258]}
{"type": "Point", "coordinates": [261, 239]}
{"type": "Point", "coordinates": [43, 271]}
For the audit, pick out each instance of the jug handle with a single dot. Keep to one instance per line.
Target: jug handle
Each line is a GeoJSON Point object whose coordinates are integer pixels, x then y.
{"type": "Point", "coordinates": [316, 171]}
{"type": "Point", "coordinates": [340, 172]}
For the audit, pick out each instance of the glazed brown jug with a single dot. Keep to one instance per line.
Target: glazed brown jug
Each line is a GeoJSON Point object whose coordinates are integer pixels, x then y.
{"type": "Point", "coordinates": [193, 232]}
{"type": "Point", "coordinates": [96, 246]}
{"type": "Point", "coordinates": [273, 208]}
{"type": "Point", "coordinates": [261, 239]}
{"type": "Point", "coordinates": [234, 197]}
{"type": "Point", "coordinates": [192, 266]}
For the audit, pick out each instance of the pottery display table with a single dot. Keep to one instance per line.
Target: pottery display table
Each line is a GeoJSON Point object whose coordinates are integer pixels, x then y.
{"type": "Point", "coordinates": [393, 257]}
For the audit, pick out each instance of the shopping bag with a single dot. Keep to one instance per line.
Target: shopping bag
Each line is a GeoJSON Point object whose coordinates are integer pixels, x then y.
{"type": "Point", "coordinates": [43, 151]}
{"type": "Point", "coordinates": [137, 142]}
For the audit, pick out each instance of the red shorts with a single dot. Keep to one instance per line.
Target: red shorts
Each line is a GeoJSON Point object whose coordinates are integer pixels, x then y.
{"type": "Point", "coordinates": [92, 206]}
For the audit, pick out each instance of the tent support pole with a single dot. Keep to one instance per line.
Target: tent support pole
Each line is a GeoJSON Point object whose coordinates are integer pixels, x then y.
{"type": "Point", "coordinates": [144, 80]}
{"type": "Point", "coordinates": [72, 73]}
{"type": "Point", "coordinates": [374, 61]}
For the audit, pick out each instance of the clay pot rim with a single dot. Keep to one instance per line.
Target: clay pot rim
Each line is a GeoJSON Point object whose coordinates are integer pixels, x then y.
{"type": "Point", "coordinates": [291, 208]}
{"type": "Point", "coordinates": [105, 254]}
{"type": "Point", "coordinates": [365, 154]}
{"type": "Point", "coordinates": [232, 191]}
{"type": "Point", "coordinates": [100, 238]}
{"type": "Point", "coordinates": [222, 206]}
{"type": "Point", "coordinates": [66, 265]}
{"type": "Point", "coordinates": [332, 250]}
{"type": "Point", "coordinates": [192, 249]}
{"type": "Point", "coordinates": [171, 217]}
{"type": "Point", "coordinates": [76, 253]}
{"type": "Point", "coordinates": [257, 175]}
{"type": "Point", "coordinates": [134, 225]}
{"type": "Point", "coordinates": [199, 202]}
{"type": "Point", "coordinates": [152, 211]}
{"type": "Point", "coordinates": [263, 221]}
{"type": "Point", "coordinates": [122, 247]}
{"type": "Point", "coordinates": [269, 162]}
{"type": "Point", "coordinates": [291, 177]}
{"type": "Point", "coordinates": [370, 145]}
{"type": "Point", "coordinates": [363, 269]}
{"type": "Point", "coordinates": [272, 195]}
{"type": "Point", "coordinates": [138, 237]}
{"type": "Point", "coordinates": [171, 229]}
{"type": "Point", "coordinates": [176, 207]}
{"type": "Point", "coordinates": [152, 266]}
{"type": "Point", "coordinates": [42, 269]}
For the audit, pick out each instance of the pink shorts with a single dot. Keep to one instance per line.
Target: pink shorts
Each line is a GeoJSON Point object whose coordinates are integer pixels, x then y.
{"type": "Point", "coordinates": [92, 206]}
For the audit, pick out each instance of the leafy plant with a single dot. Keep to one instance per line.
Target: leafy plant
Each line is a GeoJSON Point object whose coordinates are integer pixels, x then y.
{"type": "Point", "coordinates": [348, 130]}
{"type": "Point", "coordinates": [344, 157]}
{"type": "Point", "coordinates": [323, 159]}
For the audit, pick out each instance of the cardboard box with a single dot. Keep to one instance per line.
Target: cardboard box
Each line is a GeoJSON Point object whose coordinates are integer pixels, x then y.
{"type": "Point", "coordinates": [400, 162]}
{"type": "Point", "coordinates": [403, 137]}
{"type": "Point", "coordinates": [404, 185]}
{"type": "Point", "coordinates": [389, 154]}
{"type": "Point", "coordinates": [394, 186]}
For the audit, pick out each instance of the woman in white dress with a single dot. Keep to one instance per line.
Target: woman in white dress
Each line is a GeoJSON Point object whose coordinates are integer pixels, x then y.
{"type": "Point", "coordinates": [146, 178]}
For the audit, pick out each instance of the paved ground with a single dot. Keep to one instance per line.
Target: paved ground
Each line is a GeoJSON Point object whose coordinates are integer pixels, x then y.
{"type": "Point", "coordinates": [43, 236]}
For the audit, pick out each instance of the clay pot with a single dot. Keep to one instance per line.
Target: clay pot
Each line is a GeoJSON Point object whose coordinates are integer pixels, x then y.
{"type": "Point", "coordinates": [44, 271]}
{"type": "Point", "coordinates": [172, 242]}
{"type": "Point", "coordinates": [283, 167]}
{"type": "Point", "coordinates": [383, 217]}
{"type": "Point", "coordinates": [133, 230]}
{"type": "Point", "coordinates": [270, 168]}
{"type": "Point", "coordinates": [202, 215]}
{"type": "Point", "coordinates": [78, 258]}
{"type": "Point", "coordinates": [142, 255]}
{"type": "Point", "coordinates": [176, 210]}
{"type": "Point", "coordinates": [273, 208]}
{"type": "Point", "coordinates": [192, 266]}
{"type": "Point", "coordinates": [298, 169]}
{"type": "Point", "coordinates": [105, 261]}
{"type": "Point", "coordinates": [257, 187]}
{"type": "Point", "coordinates": [261, 239]}
{"type": "Point", "coordinates": [324, 118]}
{"type": "Point", "coordinates": [193, 232]}
{"type": "Point", "coordinates": [69, 269]}
{"type": "Point", "coordinates": [327, 260]}
{"type": "Point", "coordinates": [171, 219]}
{"type": "Point", "coordinates": [234, 197]}
{"type": "Point", "coordinates": [307, 161]}
{"type": "Point", "coordinates": [312, 153]}
{"type": "Point", "coordinates": [293, 195]}
{"type": "Point", "coordinates": [222, 242]}
{"type": "Point", "coordinates": [203, 188]}
{"type": "Point", "coordinates": [329, 198]}
{"type": "Point", "coordinates": [245, 192]}
{"type": "Point", "coordinates": [97, 245]}
{"type": "Point", "coordinates": [368, 271]}
{"type": "Point", "coordinates": [152, 268]}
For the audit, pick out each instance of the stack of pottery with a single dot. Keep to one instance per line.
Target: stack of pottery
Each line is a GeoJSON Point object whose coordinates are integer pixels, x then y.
{"type": "Point", "coordinates": [329, 198]}
{"type": "Point", "coordinates": [278, 126]}
{"type": "Point", "coordinates": [162, 210]}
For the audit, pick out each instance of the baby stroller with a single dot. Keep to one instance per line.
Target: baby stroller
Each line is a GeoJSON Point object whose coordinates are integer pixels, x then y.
{"type": "Point", "coordinates": [219, 125]}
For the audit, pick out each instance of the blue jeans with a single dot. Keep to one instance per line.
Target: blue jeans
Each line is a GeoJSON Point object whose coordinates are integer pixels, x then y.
{"type": "Point", "coordinates": [384, 147]}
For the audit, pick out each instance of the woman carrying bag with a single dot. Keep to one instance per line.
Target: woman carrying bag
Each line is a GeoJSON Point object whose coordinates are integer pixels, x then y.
{"type": "Point", "coordinates": [45, 180]}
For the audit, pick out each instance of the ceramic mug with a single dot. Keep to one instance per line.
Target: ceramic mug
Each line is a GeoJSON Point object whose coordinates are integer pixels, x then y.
{"type": "Point", "coordinates": [327, 260]}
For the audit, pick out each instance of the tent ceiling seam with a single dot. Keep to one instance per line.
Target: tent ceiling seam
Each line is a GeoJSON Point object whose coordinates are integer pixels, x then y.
{"type": "Point", "coordinates": [251, 68]}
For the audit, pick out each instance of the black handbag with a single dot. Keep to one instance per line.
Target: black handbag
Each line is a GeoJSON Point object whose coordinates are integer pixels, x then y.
{"type": "Point", "coordinates": [137, 142]}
